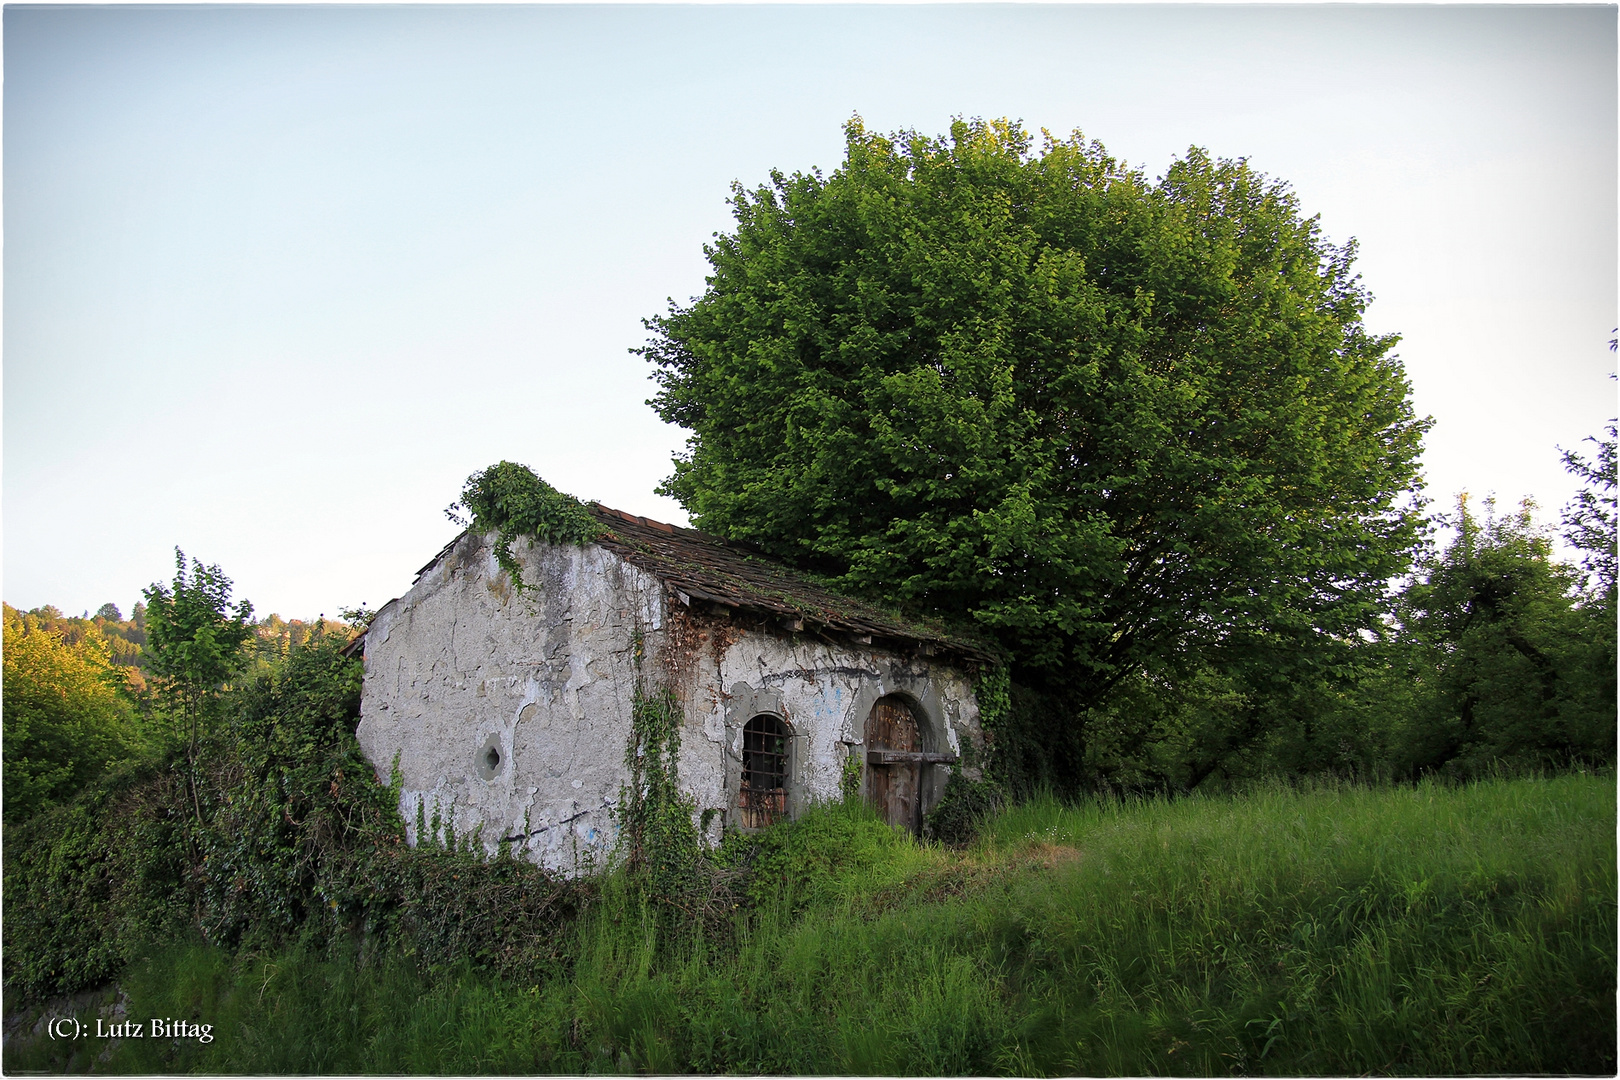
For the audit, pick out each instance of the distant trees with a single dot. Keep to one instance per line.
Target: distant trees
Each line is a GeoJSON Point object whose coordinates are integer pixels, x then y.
{"type": "Point", "coordinates": [82, 692]}
{"type": "Point", "coordinates": [125, 639]}
{"type": "Point", "coordinates": [65, 718]}
{"type": "Point", "coordinates": [1507, 652]}
{"type": "Point", "coordinates": [1589, 519]}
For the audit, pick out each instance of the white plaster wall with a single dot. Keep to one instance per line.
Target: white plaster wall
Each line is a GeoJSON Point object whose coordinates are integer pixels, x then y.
{"type": "Point", "coordinates": [825, 693]}
{"type": "Point", "coordinates": [463, 662]}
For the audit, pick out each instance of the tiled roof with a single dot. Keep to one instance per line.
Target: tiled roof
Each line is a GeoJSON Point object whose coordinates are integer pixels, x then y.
{"type": "Point", "coordinates": [698, 566]}
{"type": "Point", "coordinates": [701, 567]}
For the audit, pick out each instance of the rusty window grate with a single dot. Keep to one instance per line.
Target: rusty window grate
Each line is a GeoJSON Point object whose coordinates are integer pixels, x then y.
{"type": "Point", "coordinates": [763, 798]}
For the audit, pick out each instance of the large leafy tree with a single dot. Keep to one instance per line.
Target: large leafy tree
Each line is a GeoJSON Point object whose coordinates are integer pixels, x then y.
{"type": "Point", "coordinates": [1116, 422]}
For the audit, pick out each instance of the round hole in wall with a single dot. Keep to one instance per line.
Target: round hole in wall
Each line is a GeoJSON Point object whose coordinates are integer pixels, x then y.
{"type": "Point", "coordinates": [489, 762]}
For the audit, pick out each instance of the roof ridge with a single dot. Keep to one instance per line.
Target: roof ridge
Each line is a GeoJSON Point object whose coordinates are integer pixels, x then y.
{"type": "Point", "coordinates": [738, 574]}
{"type": "Point", "coordinates": [639, 519]}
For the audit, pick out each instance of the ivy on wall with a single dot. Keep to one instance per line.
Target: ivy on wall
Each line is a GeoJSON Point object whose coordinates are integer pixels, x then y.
{"type": "Point", "coordinates": [509, 499]}
{"type": "Point", "coordinates": [965, 803]}
{"type": "Point", "coordinates": [993, 689]}
{"type": "Point", "coordinates": [655, 822]}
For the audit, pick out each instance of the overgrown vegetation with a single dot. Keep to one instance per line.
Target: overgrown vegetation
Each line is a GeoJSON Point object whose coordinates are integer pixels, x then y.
{"type": "Point", "coordinates": [241, 861]}
{"type": "Point", "coordinates": [291, 839]}
{"type": "Point", "coordinates": [261, 883]}
{"type": "Point", "coordinates": [511, 501]}
{"type": "Point", "coordinates": [82, 695]}
{"type": "Point", "coordinates": [1270, 784]}
{"type": "Point", "coordinates": [675, 881]}
{"type": "Point", "coordinates": [1430, 929]}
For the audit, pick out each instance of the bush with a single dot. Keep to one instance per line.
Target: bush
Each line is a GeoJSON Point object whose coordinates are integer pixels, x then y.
{"type": "Point", "coordinates": [830, 852]}
{"type": "Point", "coordinates": [1513, 670]}
{"type": "Point", "coordinates": [87, 884]}
{"type": "Point", "coordinates": [291, 838]}
{"type": "Point", "coordinates": [962, 809]}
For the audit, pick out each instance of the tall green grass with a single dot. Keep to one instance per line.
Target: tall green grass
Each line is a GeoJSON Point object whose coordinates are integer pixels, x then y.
{"type": "Point", "coordinates": [1428, 929]}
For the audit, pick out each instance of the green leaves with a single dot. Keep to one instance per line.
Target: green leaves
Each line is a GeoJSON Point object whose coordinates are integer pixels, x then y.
{"type": "Point", "coordinates": [657, 837]}
{"type": "Point", "coordinates": [510, 499]}
{"type": "Point", "coordinates": [65, 720]}
{"type": "Point", "coordinates": [1589, 519]}
{"type": "Point", "coordinates": [297, 840]}
{"type": "Point", "coordinates": [1510, 670]}
{"type": "Point", "coordinates": [1115, 421]}
{"type": "Point", "coordinates": [194, 640]}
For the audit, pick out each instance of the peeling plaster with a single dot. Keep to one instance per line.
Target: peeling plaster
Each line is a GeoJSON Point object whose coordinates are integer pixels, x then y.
{"type": "Point", "coordinates": [463, 663]}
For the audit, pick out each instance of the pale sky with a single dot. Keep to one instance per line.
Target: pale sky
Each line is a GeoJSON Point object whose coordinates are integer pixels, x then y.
{"type": "Point", "coordinates": [277, 279]}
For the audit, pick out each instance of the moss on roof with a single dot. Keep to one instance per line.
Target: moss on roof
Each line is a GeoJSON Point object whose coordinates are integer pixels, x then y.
{"type": "Point", "coordinates": [739, 576]}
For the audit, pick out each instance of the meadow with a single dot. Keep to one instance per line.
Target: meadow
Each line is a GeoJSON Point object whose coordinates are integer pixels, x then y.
{"type": "Point", "coordinates": [1330, 929]}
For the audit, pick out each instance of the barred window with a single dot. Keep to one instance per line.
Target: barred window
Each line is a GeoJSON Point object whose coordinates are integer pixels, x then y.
{"type": "Point", "coordinates": [763, 798]}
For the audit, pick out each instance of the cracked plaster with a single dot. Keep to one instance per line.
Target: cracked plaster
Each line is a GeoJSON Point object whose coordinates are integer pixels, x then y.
{"type": "Point", "coordinates": [463, 664]}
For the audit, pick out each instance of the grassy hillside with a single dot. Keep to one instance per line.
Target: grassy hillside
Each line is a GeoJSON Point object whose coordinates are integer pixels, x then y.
{"type": "Point", "coordinates": [1426, 929]}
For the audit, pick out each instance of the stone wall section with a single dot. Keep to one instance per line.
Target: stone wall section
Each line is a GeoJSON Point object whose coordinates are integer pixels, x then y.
{"type": "Point", "coordinates": [824, 691]}
{"type": "Point", "coordinates": [464, 664]}
{"type": "Point", "coordinates": [508, 713]}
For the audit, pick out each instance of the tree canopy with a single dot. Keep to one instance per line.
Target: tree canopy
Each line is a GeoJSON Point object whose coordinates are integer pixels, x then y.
{"type": "Point", "coordinates": [65, 720]}
{"type": "Point", "coordinates": [196, 642]}
{"type": "Point", "coordinates": [1109, 419]}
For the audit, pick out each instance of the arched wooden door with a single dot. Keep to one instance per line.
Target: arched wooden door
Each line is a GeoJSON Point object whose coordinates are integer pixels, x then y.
{"type": "Point", "coordinates": [895, 761]}
{"type": "Point", "coordinates": [892, 780]}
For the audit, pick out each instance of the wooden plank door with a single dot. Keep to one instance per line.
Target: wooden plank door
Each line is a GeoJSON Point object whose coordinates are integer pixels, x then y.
{"type": "Point", "coordinates": [893, 782]}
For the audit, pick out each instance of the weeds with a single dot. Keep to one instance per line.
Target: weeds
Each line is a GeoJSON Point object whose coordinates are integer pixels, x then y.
{"type": "Point", "coordinates": [1429, 929]}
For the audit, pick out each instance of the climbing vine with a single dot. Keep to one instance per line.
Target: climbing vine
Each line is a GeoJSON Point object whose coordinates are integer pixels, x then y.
{"type": "Point", "coordinates": [511, 500]}
{"type": "Point", "coordinates": [675, 876]}
{"type": "Point", "coordinates": [993, 689]}
{"type": "Point", "coordinates": [966, 803]}
{"type": "Point", "coordinates": [658, 838]}
{"type": "Point", "coordinates": [849, 778]}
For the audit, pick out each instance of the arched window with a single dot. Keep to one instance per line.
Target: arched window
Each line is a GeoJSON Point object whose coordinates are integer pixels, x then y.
{"type": "Point", "coordinates": [763, 798]}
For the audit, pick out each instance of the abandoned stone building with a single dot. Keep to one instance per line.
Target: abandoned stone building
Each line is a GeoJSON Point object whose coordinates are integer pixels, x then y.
{"type": "Point", "coordinates": [508, 710]}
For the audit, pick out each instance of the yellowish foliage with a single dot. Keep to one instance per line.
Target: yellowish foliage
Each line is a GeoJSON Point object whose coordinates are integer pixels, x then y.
{"type": "Point", "coordinates": [65, 719]}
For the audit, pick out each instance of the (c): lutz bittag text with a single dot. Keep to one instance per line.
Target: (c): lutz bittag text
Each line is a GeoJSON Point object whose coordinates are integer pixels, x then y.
{"type": "Point", "coordinates": [68, 1027]}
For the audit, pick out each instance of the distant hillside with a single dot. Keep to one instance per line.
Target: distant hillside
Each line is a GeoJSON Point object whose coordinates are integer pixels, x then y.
{"type": "Point", "coordinates": [126, 638]}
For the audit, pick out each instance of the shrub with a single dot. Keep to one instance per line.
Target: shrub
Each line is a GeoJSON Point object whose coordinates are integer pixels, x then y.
{"type": "Point", "coordinates": [962, 809]}
{"type": "Point", "coordinates": [296, 840]}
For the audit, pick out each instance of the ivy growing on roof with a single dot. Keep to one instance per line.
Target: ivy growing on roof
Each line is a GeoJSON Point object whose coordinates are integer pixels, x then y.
{"type": "Point", "coordinates": [511, 500]}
